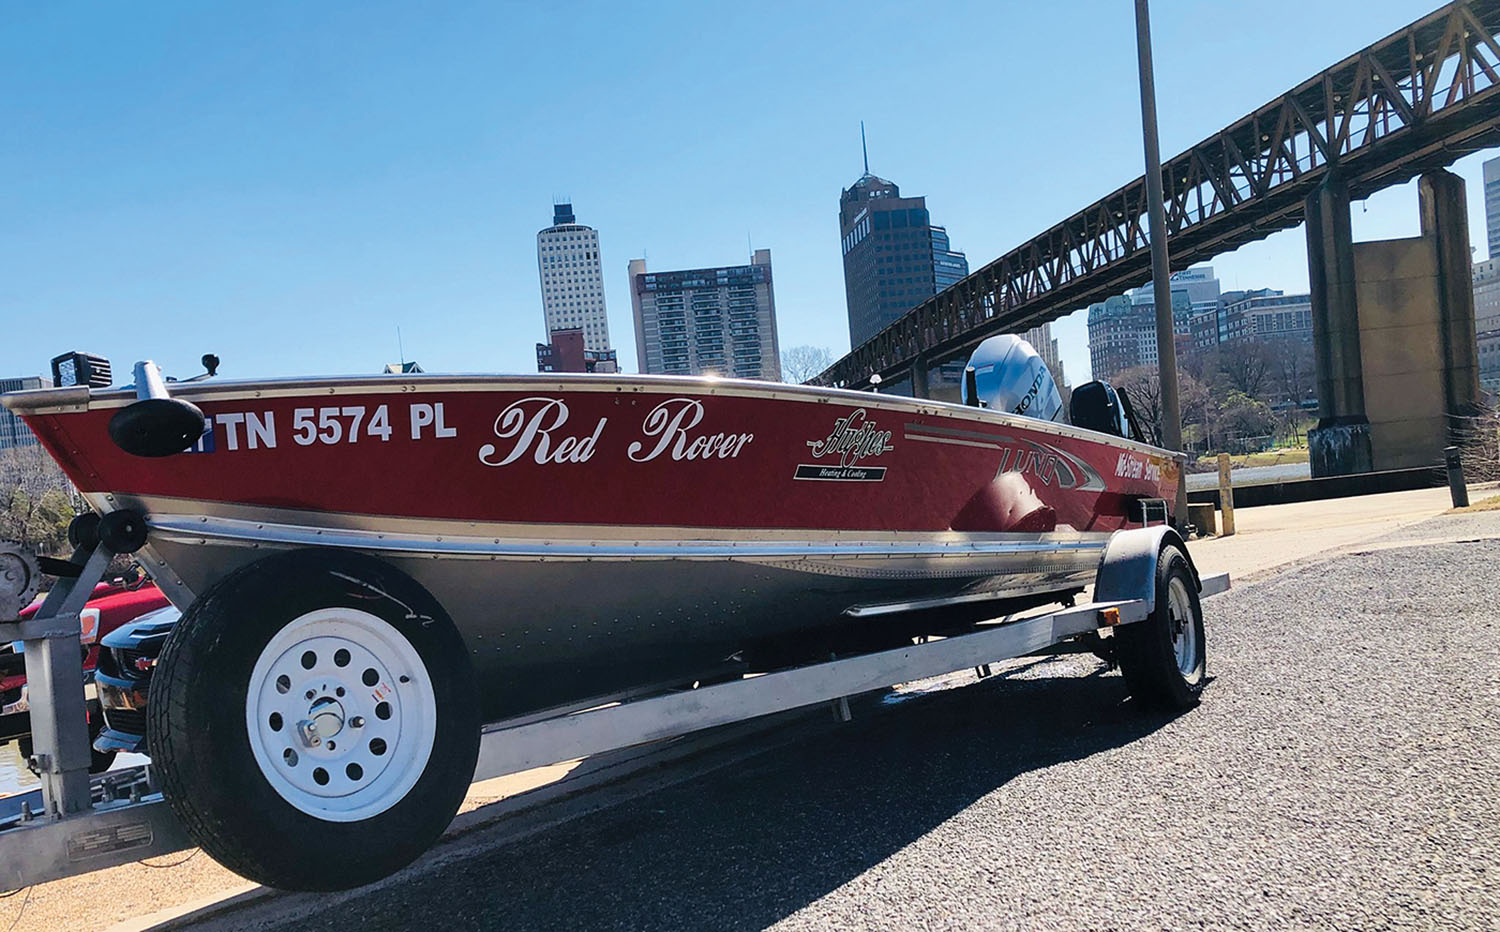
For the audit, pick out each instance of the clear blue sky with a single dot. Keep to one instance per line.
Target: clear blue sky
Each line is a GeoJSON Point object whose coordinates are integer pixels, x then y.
{"type": "Point", "coordinates": [286, 183]}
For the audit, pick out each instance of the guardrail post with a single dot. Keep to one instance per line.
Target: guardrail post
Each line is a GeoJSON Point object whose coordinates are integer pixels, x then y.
{"type": "Point", "coordinates": [1456, 486]}
{"type": "Point", "coordinates": [1226, 497]}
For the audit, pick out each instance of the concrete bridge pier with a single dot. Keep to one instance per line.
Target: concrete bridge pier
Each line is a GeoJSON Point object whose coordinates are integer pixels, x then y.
{"type": "Point", "coordinates": [919, 373]}
{"type": "Point", "coordinates": [1340, 444]}
{"type": "Point", "coordinates": [1445, 219]}
{"type": "Point", "coordinates": [1393, 331]}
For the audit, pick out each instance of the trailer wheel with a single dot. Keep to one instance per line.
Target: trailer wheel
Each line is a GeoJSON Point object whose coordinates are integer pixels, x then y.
{"type": "Point", "coordinates": [314, 720]}
{"type": "Point", "coordinates": [1163, 658]}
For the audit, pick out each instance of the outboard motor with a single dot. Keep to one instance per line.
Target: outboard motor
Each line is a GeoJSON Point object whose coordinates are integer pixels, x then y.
{"type": "Point", "coordinates": [1007, 374]}
{"type": "Point", "coordinates": [1102, 407]}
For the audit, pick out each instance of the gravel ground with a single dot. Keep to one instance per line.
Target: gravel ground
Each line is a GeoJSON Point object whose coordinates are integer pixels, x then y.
{"type": "Point", "coordinates": [1340, 774]}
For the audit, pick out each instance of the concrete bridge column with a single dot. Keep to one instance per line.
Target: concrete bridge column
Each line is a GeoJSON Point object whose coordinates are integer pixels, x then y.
{"type": "Point", "coordinates": [1340, 444]}
{"type": "Point", "coordinates": [1445, 218]}
{"type": "Point", "coordinates": [919, 387]}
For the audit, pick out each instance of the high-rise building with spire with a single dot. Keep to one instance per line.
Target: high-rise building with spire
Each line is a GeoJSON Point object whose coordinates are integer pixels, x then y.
{"type": "Point", "coordinates": [567, 259]}
{"type": "Point", "coordinates": [894, 257]}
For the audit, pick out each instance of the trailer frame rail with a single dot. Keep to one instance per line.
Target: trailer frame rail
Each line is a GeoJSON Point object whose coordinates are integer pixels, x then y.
{"type": "Point", "coordinates": [74, 834]}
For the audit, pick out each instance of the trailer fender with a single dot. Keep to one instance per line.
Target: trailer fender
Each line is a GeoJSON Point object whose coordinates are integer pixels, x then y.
{"type": "Point", "coordinates": [1128, 569]}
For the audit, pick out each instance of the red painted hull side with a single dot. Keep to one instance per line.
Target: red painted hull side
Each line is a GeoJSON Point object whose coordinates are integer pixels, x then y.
{"type": "Point", "coordinates": [682, 455]}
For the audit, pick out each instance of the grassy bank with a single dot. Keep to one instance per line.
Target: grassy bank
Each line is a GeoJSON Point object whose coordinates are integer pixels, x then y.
{"type": "Point", "coordinates": [1277, 457]}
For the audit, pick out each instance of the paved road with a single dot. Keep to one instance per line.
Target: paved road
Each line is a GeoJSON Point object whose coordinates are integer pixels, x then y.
{"type": "Point", "coordinates": [1341, 774]}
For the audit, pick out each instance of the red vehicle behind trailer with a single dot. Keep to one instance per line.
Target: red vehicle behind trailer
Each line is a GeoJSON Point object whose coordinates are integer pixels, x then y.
{"type": "Point", "coordinates": [113, 604]}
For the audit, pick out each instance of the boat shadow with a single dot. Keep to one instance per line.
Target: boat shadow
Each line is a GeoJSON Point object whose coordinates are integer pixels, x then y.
{"type": "Point", "coordinates": [748, 844]}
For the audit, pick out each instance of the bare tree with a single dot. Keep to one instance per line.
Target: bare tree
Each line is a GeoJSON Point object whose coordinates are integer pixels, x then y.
{"type": "Point", "coordinates": [804, 363]}
{"type": "Point", "coordinates": [1292, 375]}
{"type": "Point", "coordinates": [1246, 367]}
{"type": "Point", "coordinates": [1143, 385]}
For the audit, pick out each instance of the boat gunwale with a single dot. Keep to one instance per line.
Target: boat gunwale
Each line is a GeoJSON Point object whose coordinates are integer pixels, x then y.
{"type": "Point", "coordinates": [77, 399]}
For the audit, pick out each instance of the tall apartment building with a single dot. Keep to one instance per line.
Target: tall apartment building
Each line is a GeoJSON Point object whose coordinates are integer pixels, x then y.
{"type": "Point", "coordinates": [700, 321]}
{"type": "Point", "coordinates": [14, 433]}
{"type": "Point", "coordinates": [1487, 294]}
{"type": "Point", "coordinates": [894, 257]}
{"type": "Point", "coordinates": [567, 260]}
{"type": "Point", "coordinates": [1122, 329]}
{"type": "Point", "coordinates": [1266, 315]}
{"type": "Point", "coordinates": [1492, 206]}
{"type": "Point", "coordinates": [1487, 311]}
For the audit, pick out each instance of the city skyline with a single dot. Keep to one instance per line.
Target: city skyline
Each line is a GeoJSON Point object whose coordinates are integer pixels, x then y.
{"type": "Point", "coordinates": [399, 188]}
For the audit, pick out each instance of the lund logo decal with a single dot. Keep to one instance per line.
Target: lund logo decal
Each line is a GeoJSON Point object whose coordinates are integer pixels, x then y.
{"type": "Point", "coordinates": [854, 437]}
{"type": "Point", "coordinates": [1050, 464]}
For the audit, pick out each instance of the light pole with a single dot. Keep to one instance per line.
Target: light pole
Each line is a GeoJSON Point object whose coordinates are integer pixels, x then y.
{"type": "Point", "coordinates": [1161, 282]}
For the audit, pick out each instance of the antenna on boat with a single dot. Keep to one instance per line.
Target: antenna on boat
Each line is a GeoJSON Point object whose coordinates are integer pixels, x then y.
{"type": "Point", "coordinates": [400, 349]}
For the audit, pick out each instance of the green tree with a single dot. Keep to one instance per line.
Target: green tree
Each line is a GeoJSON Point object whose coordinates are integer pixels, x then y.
{"type": "Point", "coordinates": [1242, 420]}
{"type": "Point", "coordinates": [36, 501]}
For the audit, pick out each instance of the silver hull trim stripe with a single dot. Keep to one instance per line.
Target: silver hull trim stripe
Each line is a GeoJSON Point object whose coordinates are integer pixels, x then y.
{"type": "Point", "coordinates": [203, 529]}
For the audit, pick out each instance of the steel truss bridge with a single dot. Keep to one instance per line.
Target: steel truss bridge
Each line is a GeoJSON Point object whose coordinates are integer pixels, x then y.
{"type": "Point", "coordinates": [1412, 102]}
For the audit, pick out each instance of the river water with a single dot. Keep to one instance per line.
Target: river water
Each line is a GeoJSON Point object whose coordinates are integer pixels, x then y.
{"type": "Point", "coordinates": [1251, 475]}
{"type": "Point", "coordinates": [16, 778]}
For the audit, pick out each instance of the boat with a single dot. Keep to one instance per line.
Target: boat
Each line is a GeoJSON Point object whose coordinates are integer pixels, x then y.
{"type": "Point", "coordinates": [585, 532]}
{"type": "Point", "coordinates": [550, 541]}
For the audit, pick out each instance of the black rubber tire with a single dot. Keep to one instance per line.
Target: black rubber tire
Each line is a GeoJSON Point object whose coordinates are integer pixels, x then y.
{"type": "Point", "coordinates": [199, 741]}
{"type": "Point", "coordinates": [1144, 649]}
{"type": "Point", "coordinates": [100, 761]}
{"type": "Point", "coordinates": [25, 748]}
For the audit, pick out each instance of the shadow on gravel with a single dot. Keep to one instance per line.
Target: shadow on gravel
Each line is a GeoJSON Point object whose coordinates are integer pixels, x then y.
{"type": "Point", "coordinates": [747, 845]}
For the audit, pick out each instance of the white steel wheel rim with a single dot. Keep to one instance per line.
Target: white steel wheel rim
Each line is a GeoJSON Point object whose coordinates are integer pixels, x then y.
{"type": "Point", "coordinates": [341, 714]}
{"type": "Point", "coordinates": [1184, 627]}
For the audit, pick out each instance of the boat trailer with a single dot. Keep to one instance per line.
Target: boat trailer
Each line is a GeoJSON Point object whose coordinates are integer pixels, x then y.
{"type": "Point", "coordinates": [120, 817]}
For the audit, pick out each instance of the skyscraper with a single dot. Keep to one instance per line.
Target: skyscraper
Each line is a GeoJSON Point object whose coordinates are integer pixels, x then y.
{"type": "Point", "coordinates": [1492, 206]}
{"type": "Point", "coordinates": [567, 259]}
{"type": "Point", "coordinates": [1045, 344]}
{"type": "Point", "coordinates": [707, 321]}
{"type": "Point", "coordinates": [1487, 313]}
{"type": "Point", "coordinates": [894, 258]}
{"type": "Point", "coordinates": [13, 433]}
